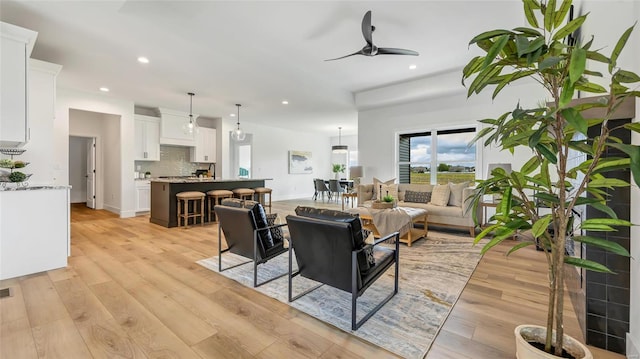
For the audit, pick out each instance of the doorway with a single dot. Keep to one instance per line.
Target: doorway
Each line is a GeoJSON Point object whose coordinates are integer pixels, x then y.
{"type": "Point", "coordinates": [241, 155]}
{"type": "Point", "coordinates": [82, 170]}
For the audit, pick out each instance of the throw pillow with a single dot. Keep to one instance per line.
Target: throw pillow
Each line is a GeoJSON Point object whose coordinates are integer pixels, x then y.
{"type": "Point", "coordinates": [261, 222]}
{"type": "Point", "coordinates": [455, 198]}
{"type": "Point", "coordinates": [417, 197]}
{"type": "Point", "coordinates": [376, 187]}
{"type": "Point", "coordinates": [440, 195]}
{"type": "Point", "coordinates": [368, 251]}
{"type": "Point", "coordinates": [276, 233]}
{"type": "Point", "coordinates": [389, 189]}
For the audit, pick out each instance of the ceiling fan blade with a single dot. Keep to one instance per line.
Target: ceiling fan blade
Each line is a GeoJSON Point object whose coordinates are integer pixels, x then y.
{"type": "Point", "coordinates": [359, 52]}
{"type": "Point", "coordinates": [393, 51]}
{"type": "Point", "coordinates": [367, 29]}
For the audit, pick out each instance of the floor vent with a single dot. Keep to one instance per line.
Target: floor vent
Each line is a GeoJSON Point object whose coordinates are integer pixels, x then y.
{"type": "Point", "coordinates": [6, 292]}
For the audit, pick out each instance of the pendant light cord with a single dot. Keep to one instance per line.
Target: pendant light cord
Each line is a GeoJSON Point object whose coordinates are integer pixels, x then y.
{"type": "Point", "coordinates": [191, 94]}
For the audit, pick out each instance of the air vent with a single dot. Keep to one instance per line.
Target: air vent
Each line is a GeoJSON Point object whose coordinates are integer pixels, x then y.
{"type": "Point", "coordinates": [6, 292]}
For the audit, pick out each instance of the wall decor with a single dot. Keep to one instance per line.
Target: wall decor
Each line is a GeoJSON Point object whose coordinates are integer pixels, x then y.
{"type": "Point", "coordinates": [300, 162]}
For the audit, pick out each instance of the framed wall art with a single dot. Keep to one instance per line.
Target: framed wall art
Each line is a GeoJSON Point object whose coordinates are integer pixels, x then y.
{"type": "Point", "coordinates": [300, 162]}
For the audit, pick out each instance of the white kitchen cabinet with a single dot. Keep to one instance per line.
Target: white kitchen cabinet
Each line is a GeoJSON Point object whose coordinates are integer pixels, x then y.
{"type": "Point", "coordinates": [143, 196]}
{"type": "Point", "coordinates": [26, 248]}
{"type": "Point", "coordinates": [172, 128]}
{"type": "Point", "coordinates": [205, 149]}
{"type": "Point", "coordinates": [15, 49]}
{"type": "Point", "coordinates": [147, 138]}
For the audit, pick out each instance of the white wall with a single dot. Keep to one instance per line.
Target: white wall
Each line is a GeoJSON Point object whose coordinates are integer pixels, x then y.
{"type": "Point", "coordinates": [378, 128]}
{"type": "Point", "coordinates": [270, 159]}
{"type": "Point", "coordinates": [78, 169]}
{"type": "Point", "coordinates": [119, 176]}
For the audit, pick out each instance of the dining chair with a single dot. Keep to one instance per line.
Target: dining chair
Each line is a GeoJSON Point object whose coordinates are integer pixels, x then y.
{"type": "Point", "coordinates": [335, 188]}
{"type": "Point", "coordinates": [322, 188]}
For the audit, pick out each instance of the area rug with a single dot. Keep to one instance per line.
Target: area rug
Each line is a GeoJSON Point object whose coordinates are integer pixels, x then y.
{"type": "Point", "coordinates": [433, 273]}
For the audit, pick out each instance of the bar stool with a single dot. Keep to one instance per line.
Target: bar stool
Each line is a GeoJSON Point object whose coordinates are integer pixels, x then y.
{"type": "Point", "coordinates": [262, 193]}
{"type": "Point", "coordinates": [215, 198]}
{"type": "Point", "coordinates": [244, 193]}
{"type": "Point", "coordinates": [190, 198]}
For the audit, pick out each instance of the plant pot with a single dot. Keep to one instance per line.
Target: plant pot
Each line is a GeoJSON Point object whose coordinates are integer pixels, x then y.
{"type": "Point", "coordinates": [534, 333]}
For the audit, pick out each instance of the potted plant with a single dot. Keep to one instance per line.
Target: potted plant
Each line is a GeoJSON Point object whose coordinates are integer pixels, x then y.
{"type": "Point", "coordinates": [552, 131]}
{"type": "Point", "coordinates": [338, 168]}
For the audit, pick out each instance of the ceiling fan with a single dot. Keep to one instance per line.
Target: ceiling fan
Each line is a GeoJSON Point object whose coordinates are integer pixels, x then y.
{"type": "Point", "coordinates": [370, 49]}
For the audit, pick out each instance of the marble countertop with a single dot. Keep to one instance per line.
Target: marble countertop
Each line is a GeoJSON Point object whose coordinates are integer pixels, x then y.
{"type": "Point", "coordinates": [206, 179]}
{"type": "Point", "coordinates": [32, 188]}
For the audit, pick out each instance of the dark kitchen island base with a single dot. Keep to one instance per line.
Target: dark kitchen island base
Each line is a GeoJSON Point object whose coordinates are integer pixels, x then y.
{"type": "Point", "coordinates": [164, 209]}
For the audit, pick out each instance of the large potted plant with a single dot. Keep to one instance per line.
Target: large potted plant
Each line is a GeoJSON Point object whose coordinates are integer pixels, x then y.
{"type": "Point", "coordinates": [553, 131]}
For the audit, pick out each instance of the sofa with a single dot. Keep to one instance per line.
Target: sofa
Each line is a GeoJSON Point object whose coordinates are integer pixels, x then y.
{"type": "Point", "coordinates": [456, 210]}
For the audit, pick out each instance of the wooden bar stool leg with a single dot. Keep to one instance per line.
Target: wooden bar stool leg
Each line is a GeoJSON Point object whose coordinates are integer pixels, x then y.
{"type": "Point", "coordinates": [186, 213]}
{"type": "Point", "coordinates": [202, 212]}
{"type": "Point", "coordinates": [179, 212]}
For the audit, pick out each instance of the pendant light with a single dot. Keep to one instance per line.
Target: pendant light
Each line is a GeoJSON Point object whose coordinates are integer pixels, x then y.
{"type": "Point", "coordinates": [238, 134]}
{"type": "Point", "coordinates": [339, 148]}
{"type": "Point", "coordinates": [190, 127]}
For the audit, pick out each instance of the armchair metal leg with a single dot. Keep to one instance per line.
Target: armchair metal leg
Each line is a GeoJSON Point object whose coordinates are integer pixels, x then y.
{"type": "Point", "coordinates": [291, 275]}
{"type": "Point", "coordinates": [220, 251]}
{"type": "Point", "coordinates": [355, 325]}
{"type": "Point", "coordinates": [255, 263]}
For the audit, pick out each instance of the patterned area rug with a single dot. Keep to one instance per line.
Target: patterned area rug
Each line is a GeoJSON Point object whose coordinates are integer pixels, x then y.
{"type": "Point", "coordinates": [433, 273]}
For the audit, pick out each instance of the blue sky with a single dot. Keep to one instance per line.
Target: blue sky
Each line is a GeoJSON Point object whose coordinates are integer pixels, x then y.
{"type": "Point", "coordinates": [451, 147]}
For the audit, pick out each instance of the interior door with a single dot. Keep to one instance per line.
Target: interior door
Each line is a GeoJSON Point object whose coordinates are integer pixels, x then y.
{"type": "Point", "coordinates": [91, 173]}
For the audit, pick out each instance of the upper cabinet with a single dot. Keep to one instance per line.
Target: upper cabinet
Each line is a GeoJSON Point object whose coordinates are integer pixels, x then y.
{"type": "Point", "coordinates": [147, 138]}
{"type": "Point", "coordinates": [15, 49]}
{"type": "Point", "coordinates": [172, 128]}
{"type": "Point", "coordinates": [205, 149]}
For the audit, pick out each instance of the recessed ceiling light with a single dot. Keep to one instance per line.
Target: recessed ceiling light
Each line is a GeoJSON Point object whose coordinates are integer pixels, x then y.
{"type": "Point", "coordinates": [285, 102]}
{"type": "Point", "coordinates": [232, 114]}
{"type": "Point", "coordinates": [413, 67]}
{"type": "Point", "coordinates": [143, 60]}
{"type": "Point", "coordinates": [104, 89]}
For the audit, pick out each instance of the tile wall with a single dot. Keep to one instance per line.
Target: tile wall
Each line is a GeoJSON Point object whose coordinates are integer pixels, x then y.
{"type": "Point", "coordinates": [174, 161]}
{"type": "Point", "coordinates": [607, 295]}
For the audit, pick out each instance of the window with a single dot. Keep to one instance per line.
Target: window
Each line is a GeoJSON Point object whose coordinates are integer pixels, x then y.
{"type": "Point", "coordinates": [437, 156]}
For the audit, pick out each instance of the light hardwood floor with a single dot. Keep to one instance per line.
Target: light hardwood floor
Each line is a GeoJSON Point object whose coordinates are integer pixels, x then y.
{"type": "Point", "coordinates": [133, 290]}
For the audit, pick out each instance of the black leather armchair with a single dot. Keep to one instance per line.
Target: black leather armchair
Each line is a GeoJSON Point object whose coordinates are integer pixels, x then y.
{"type": "Point", "coordinates": [248, 235]}
{"type": "Point", "coordinates": [327, 251]}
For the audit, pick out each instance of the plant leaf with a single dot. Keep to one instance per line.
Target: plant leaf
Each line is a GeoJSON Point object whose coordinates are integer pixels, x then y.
{"type": "Point", "coordinates": [528, 31]}
{"type": "Point", "coordinates": [626, 77]}
{"type": "Point", "coordinates": [530, 166]}
{"type": "Point", "coordinates": [596, 56]}
{"type": "Point", "coordinates": [570, 27]}
{"type": "Point", "coordinates": [549, 15]}
{"type": "Point", "coordinates": [575, 119]}
{"type": "Point", "coordinates": [619, 46]}
{"type": "Point", "coordinates": [529, 5]}
{"type": "Point", "coordinates": [495, 50]}
{"type": "Point", "coordinates": [520, 246]}
{"type": "Point", "coordinates": [607, 245]}
{"type": "Point", "coordinates": [586, 264]}
{"type": "Point", "coordinates": [608, 182]}
{"type": "Point", "coordinates": [577, 64]}
{"type": "Point", "coordinates": [540, 226]}
{"type": "Point", "coordinates": [607, 221]}
{"type": "Point", "coordinates": [547, 153]}
{"type": "Point", "coordinates": [489, 35]}
{"type": "Point", "coordinates": [633, 126]}
{"type": "Point", "coordinates": [634, 157]}
{"type": "Point", "coordinates": [549, 62]}
{"type": "Point", "coordinates": [603, 208]}
{"type": "Point", "coordinates": [562, 12]}
{"type": "Point", "coordinates": [590, 87]}
{"type": "Point", "coordinates": [567, 93]}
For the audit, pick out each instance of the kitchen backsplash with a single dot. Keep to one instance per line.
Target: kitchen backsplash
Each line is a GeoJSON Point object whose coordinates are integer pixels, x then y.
{"type": "Point", "coordinates": [174, 161]}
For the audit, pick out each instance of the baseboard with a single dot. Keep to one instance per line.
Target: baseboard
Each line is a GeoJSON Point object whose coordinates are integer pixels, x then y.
{"type": "Point", "coordinates": [633, 348]}
{"type": "Point", "coordinates": [111, 208]}
{"type": "Point", "coordinates": [127, 214]}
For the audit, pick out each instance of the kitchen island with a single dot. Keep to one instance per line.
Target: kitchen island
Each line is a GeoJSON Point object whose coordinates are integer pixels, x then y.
{"type": "Point", "coordinates": [163, 194]}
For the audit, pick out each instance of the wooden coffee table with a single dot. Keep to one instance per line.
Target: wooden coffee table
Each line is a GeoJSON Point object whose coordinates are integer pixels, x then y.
{"type": "Point", "coordinates": [418, 216]}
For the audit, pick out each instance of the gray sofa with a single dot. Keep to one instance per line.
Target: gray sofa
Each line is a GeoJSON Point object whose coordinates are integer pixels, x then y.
{"type": "Point", "coordinates": [450, 216]}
